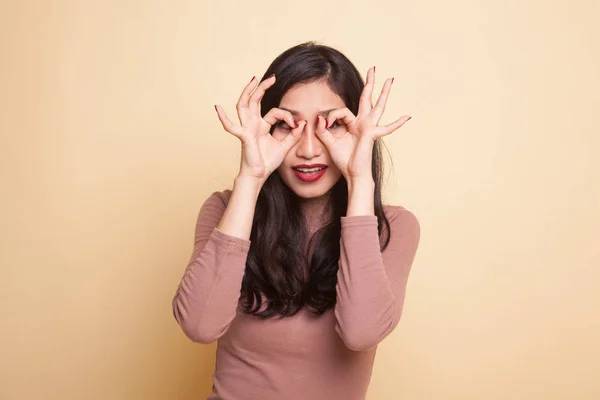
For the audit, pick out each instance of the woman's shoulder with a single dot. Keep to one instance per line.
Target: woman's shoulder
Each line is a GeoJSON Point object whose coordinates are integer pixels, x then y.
{"type": "Point", "coordinates": [219, 197]}
{"type": "Point", "coordinates": [401, 217]}
{"type": "Point", "coordinates": [215, 204]}
{"type": "Point", "coordinates": [395, 211]}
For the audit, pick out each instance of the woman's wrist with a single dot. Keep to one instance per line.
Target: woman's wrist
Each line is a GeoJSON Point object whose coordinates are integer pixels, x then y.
{"type": "Point", "coordinates": [239, 213]}
{"type": "Point", "coordinates": [248, 183]}
{"type": "Point", "coordinates": [361, 193]}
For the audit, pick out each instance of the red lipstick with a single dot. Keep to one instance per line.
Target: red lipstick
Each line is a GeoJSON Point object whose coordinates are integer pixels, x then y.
{"type": "Point", "coordinates": [309, 172]}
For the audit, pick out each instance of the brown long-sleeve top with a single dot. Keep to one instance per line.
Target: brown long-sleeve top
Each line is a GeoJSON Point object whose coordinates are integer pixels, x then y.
{"type": "Point", "coordinates": [304, 356]}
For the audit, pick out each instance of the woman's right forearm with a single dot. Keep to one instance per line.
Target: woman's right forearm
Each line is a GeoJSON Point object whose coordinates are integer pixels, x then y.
{"type": "Point", "coordinates": [238, 216]}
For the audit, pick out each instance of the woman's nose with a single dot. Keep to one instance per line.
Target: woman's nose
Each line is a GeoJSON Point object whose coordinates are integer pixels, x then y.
{"type": "Point", "coordinates": [309, 145]}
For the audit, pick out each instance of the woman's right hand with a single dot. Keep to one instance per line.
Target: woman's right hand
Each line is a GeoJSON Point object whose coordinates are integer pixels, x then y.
{"type": "Point", "coordinates": [261, 152]}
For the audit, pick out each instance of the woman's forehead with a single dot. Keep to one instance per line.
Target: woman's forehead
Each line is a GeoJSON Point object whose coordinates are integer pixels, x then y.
{"type": "Point", "coordinates": [311, 98]}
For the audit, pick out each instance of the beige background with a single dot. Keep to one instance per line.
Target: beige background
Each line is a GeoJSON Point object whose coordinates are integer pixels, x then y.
{"type": "Point", "coordinates": [109, 145]}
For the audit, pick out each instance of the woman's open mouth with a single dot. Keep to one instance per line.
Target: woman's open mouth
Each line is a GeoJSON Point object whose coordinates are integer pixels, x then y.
{"type": "Point", "coordinates": [309, 173]}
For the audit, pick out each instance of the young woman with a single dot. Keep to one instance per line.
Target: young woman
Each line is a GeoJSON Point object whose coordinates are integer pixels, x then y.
{"type": "Point", "coordinates": [300, 271]}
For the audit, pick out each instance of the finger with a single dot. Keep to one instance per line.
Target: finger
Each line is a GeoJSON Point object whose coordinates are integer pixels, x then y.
{"type": "Point", "coordinates": [256, 97]}
{"type": "Point", "coordinates": [387, 129]}
{"type": "Point", "coordinates": [290, 140]}
{"type": "Point", "coordinates": [277, 114]}
{"type": "Point", "coordinates": [323, 134]}
{"type": "Point", "coordinates": [343, 114]}
{"type": "Point", "coordinates": [366, 104]}
{"type": "Point", "coordinates": [382, 100]}
{"type": "Point", "coordinates": [242, 103]}
{"type": "Point", "coordinates": [227, 124]}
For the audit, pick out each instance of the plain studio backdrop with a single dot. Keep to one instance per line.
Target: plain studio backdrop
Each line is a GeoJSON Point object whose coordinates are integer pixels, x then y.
{"type": "Point", "coordinates": [110, 144]}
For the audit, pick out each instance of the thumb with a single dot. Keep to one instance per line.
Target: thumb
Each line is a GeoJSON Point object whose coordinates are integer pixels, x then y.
{"type": "Point", "coordinates": [324, 135]}
{"type": "Point", "coordinates": [290, 140]}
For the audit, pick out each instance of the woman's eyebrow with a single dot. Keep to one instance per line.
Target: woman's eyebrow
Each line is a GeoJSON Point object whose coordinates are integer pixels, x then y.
{"type": "Point", "coordinates": [295, 113]}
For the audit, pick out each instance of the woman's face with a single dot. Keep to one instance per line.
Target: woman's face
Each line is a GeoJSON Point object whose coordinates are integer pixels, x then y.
{"type": "Point", "coordinates": [307, 168]}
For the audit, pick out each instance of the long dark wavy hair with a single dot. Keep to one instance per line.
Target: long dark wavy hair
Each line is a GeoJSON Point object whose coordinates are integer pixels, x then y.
{"type": "Point", "coordinates": [274, 267]}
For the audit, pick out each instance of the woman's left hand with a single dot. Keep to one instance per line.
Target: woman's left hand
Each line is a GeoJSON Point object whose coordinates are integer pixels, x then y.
{"type": "Point", "coordinates": [351, 145]}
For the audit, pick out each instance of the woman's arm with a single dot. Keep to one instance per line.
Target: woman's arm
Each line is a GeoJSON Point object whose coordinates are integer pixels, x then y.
{"type": "Point", "coordinates": [207, 297]}
{"type": "Point", "coordinates": [371, 284]}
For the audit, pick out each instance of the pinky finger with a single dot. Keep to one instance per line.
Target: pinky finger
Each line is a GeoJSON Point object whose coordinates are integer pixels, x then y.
{"type": "Point", "coordinates": [227, 124]}
{"type": "Point", "coordinates": [387, 129]}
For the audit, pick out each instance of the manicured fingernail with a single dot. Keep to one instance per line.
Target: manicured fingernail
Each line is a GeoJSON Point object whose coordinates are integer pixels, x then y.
{"type": "Point", "coordinates": [408, 119]}
{"type": "Point", "coordinates": [216, 109]}
{"type": "Point", "coordinates": [326, 124]}
{"type": "Point", "coordinates": [392, 80]}
{"type": "Point", "coordinates": [270, 76]}
{"type": "Point", "coordinates": [295, 124]}
{"type": "Point", "coordinates": [252, 79]}
{"type": "Point", "coordinates": [374, 68]}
